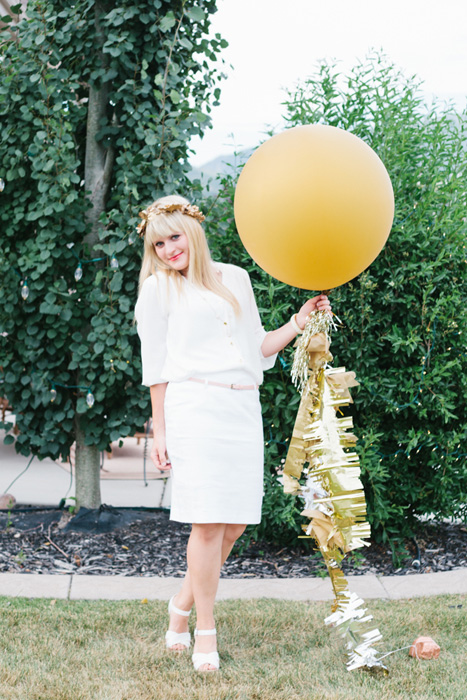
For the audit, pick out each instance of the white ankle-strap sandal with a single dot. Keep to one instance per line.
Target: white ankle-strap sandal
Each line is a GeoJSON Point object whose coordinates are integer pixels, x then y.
{"type": "Point", "coordinates": [172, 638]}
{"type": "Point", "coordinates": [201, 658]}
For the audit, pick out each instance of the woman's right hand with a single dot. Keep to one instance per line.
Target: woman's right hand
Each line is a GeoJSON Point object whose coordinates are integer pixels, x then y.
{"type": "Point", "coordinates": [159, 454]}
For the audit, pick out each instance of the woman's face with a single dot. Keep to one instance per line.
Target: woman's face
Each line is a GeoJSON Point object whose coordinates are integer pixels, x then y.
{"type": "Point", "coordinates": [174, 251]}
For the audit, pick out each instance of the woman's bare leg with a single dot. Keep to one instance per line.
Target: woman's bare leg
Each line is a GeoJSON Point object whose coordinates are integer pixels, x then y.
{"type": "Point", "coordinates": [204, 559]}
{"type": "Point", "coordinates": [185, 599]}
{"type": "Point", "coordinates": [208, 547]}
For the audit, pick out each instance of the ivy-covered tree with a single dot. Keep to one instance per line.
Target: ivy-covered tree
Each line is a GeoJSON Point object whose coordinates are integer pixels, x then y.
{"type": "Point", "coordinates": [405, 326]}
{"type": "Point", "coordinates": [98, 102]}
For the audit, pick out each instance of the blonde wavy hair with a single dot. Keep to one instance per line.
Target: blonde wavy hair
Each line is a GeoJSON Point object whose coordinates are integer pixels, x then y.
{"type": "Point", "coordinates": [201, 271]}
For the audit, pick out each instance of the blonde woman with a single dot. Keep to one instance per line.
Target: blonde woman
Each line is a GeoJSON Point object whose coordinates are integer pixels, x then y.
{"type": "Point", "coordinates": [203, 354]}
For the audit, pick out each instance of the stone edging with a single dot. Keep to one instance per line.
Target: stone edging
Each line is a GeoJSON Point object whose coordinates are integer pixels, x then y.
{"type": "Point", "coordinates": [82, 587]}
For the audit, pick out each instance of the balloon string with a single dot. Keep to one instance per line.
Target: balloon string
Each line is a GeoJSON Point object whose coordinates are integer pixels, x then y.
{"type": "Point", "coordinates": [394, 651]}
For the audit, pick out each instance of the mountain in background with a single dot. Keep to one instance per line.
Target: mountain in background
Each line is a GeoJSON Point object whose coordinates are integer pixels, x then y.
{"type": "Point", "coordinates": [222, 165]}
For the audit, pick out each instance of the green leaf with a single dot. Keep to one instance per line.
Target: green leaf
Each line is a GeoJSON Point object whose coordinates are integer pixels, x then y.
{"type": "Point", "coordinates": [175, 97]}
{"type": "Point", "coordinates": [66, 315]}
{"type": "Point", "coordinates": [8, 439]}
{"type": "Point", "coordinates": [167, 22]}
{"type": "Point", "coordinates": [196, 14]}
{"type": "Point", "coordinates": [186, 43]}
{"type": "Point", "coordinates": [116, 282]}
{"type": "Point", "coordinates": [81, 405]}
{"type": "Point", "coordinates": [151, 138]}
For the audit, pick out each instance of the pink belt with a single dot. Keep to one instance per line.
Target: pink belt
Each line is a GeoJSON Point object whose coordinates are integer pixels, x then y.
{"type": "Point", "coordinates": [224, 386]}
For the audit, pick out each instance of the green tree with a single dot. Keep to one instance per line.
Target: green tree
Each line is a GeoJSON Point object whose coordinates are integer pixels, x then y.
{"type": "Point", "coordinates": [98, 102]}
{"type": "Point", "coordinates": [404, 318]}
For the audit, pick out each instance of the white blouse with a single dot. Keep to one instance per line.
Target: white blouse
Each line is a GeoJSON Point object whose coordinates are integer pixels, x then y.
{"type": "Point", "coordinates": [195, 333]}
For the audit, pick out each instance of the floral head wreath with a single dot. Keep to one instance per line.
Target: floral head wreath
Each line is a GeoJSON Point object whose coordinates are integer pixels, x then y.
{"type": "Point", "coordinates": [155, 209]}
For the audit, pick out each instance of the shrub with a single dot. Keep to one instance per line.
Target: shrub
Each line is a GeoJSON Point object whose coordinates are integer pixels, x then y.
{"type": "Point", "coordinates": [404, 318]}
{"type": "Point", "coordinates": [98, 103]}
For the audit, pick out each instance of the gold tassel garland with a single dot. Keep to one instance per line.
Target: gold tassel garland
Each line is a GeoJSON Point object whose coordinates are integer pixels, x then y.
{"type": "Point", "coordinates": [321, 451]}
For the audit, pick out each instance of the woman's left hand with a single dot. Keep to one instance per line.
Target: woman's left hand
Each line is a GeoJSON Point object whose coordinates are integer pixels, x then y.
{"type": "Point", "coordinates": [319, 303]}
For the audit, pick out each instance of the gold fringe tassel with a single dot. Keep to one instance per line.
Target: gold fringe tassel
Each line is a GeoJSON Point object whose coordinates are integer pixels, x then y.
{"type": "Point", "coordinates": [323, 469]}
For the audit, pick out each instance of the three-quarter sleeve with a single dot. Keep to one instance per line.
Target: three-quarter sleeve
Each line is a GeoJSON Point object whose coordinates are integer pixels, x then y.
{"type": "Point", "coordinates": [152, 320]}
{"type": "Point", "coordinates": [259, 332]}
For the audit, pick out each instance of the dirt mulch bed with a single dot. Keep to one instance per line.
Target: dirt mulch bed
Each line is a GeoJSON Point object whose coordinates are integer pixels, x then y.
{"type": "Point", "coordinates": [147, 543]}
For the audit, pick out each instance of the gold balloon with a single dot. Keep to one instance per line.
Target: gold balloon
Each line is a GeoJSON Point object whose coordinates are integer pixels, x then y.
{"type": "Point", "coordinates": [314, 206]}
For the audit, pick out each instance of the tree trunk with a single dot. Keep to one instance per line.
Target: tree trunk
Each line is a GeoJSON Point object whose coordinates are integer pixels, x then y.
{"type": "Point", "coordinates": [98, 167]}
{"type": "Point", "coordinates": [87, 472]}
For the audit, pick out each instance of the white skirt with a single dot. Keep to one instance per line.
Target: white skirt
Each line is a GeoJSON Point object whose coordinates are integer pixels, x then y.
{"type": "Point", "coordinates": [215, 444]}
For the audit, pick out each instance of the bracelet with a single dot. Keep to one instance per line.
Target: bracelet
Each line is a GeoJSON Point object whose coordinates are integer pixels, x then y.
{"type": "Point", "coordinates": [295, 326]}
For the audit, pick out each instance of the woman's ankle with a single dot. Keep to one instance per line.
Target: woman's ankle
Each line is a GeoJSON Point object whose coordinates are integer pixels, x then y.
{"type": "Point", "coordinates": [205, 643]}
{"type": "Point", "coordinates": [205, 623]}
{"type": "Point", "coordinates": [182, 601]}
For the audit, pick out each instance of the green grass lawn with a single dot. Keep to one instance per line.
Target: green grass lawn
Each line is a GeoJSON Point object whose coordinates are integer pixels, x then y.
{"type": "Point", "coordinates": [270, 650]}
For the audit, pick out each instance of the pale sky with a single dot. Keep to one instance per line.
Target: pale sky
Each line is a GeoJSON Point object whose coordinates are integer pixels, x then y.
{"type": "Point", "coordinates": [275, 43]}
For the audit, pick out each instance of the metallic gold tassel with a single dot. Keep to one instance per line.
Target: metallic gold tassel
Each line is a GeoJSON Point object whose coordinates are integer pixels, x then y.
{"type": "Point", "coordinates": [321, 451]}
